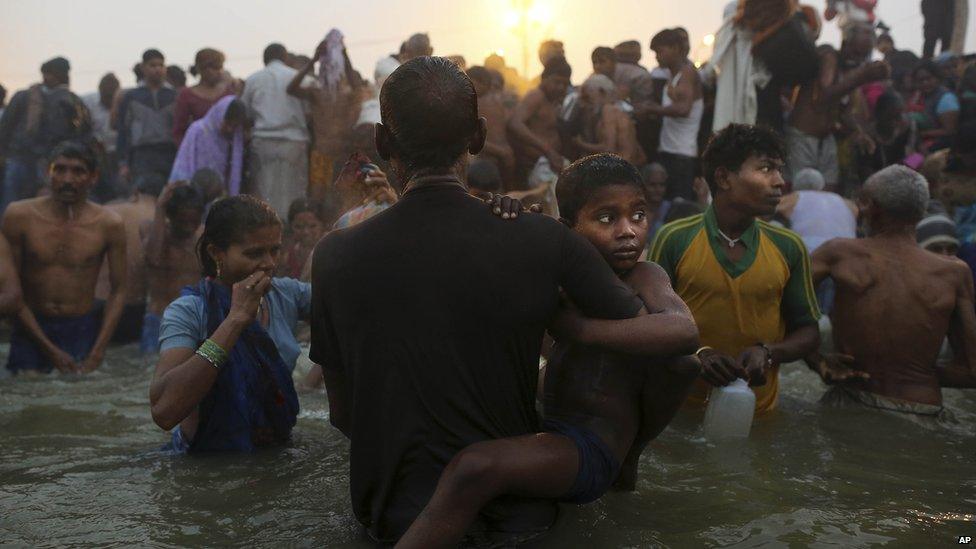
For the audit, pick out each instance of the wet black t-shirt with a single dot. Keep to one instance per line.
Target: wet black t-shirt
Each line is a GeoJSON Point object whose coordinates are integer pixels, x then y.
{"type": "Point", "coordinates": [434, 310]}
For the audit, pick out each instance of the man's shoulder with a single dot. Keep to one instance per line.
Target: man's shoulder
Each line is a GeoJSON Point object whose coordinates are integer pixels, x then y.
{"type": "Point", "coordinates": [23, 209]}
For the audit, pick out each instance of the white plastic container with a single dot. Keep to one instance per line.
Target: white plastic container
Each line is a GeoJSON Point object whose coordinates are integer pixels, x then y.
{"type": "Point", "coordinates": [730, 410]}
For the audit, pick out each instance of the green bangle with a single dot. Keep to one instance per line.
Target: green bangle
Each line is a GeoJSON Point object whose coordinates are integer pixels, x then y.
{"type": "Point", "coordinates": [212, 353]}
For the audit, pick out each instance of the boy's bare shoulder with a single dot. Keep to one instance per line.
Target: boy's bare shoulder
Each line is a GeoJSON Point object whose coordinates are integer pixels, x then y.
{"type": "Point", "coordinates": [647, 274]}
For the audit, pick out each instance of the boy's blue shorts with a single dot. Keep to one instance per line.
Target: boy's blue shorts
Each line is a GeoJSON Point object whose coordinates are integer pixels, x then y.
{"type": "Point", "coordinates": [598, 467]}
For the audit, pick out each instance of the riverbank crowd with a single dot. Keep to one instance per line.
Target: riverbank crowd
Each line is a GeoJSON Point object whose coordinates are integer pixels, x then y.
{"type": "Point", "coordinates": [463, 246]}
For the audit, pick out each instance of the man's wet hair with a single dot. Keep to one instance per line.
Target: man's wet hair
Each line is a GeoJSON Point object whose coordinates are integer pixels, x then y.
{"type": "Point", "coordinates": [582, 178]}
{"type": "Point", "coordinates": [75, 151]}
{"type": "Point", "coordinates": [901, 193]}
{"type": "Point", "coordinates": [275, 51]}
{"type": "Point", "coordinates": [667, 37]}
{"type": "Point", "coordinates": [3, 94]}
{"type": "Point", "coordinates": [732, 146]}
{"type": "Point", "coordinates": [151, 54]}
{"type": "Point", "coordinates": [602, 53]}
{"type": "Point", "coordinates": [184, 198]}
{"type": "Point", "coordinates": [229, 221]}
{"type": "Point", "coordinates": [430, 108]}
{"type": "Point", "coordinates": [557, 66]}
{"type": "Point", "coordinates": [151, 183]}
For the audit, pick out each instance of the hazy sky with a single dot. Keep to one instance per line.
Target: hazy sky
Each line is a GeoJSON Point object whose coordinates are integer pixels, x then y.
{"type": "Point", "coordinates": [98, 36]}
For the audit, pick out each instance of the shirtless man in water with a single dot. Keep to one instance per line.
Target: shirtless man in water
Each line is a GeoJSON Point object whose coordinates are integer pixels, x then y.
{"type": "Point", "coordinates": [535, 122]}
{"type": "Point", "coordinates": [59, 242]}
{"type": "Point", "coordinates": [170, 243]}
{"type": "Point", "coordinates": [895, 304]}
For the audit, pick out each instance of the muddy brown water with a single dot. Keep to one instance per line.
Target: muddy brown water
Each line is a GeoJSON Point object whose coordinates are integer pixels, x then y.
{"type": "Point", "coordinates": [80, 467]}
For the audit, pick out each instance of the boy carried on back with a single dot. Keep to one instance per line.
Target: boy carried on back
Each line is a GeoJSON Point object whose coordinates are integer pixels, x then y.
{"type": "Point", "coordinates": [601, 408]}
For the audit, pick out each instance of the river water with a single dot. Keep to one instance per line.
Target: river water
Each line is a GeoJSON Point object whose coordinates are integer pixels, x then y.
{"type": "Point", "coordinates": [79, 466]}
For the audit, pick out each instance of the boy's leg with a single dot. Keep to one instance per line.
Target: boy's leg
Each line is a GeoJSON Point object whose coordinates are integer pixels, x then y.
{"type": "Point", "coordinates": [543, 465]}
{"type": "Point", "coordinates": [665, 389]}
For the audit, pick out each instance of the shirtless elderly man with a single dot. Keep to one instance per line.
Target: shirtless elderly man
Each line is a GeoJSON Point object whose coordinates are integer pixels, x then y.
{"type": "Point", "coordinates": [58, 243]}
{"type": "Point", "coordinates": [895, 304]}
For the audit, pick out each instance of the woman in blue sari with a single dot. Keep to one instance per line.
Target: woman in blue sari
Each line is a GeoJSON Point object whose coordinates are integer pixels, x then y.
{"type": "Point", "coordinates": [227, 346]}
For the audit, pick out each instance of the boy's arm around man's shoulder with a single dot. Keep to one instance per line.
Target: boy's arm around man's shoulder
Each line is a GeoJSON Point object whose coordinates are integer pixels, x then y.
{"type": "Point", "coordinates": [665, 327]}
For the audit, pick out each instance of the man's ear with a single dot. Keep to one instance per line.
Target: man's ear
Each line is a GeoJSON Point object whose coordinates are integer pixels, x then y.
{"type": "Point", "coordinates": [383, 141]}
{"type": "Point", "coordinates": [722, 177]}
{"type": "Point", "coordinates": [480, 136]}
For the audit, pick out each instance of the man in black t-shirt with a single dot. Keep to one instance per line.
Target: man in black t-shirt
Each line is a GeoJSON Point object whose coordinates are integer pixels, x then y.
{"type": "Point", "coordinates": [428, 318]}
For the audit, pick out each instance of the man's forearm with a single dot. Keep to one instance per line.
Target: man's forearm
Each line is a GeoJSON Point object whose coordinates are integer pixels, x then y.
{"type": "Point", "coordinates": [110, 319]}
{"type": "Point", "coordinates": [796, 345]}
{"type": "Point", "coordinates": [659, 335]}
{"type": "Point", "coordinates": [34, 331]}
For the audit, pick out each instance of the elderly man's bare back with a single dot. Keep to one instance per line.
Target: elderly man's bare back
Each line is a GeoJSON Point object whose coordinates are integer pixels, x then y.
{"type": "Point", "coordinates": [895, 305]}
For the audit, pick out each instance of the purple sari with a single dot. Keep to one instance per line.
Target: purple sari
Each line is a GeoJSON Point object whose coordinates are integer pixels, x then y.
{"type": "Point", "coordinates": [204, 146]}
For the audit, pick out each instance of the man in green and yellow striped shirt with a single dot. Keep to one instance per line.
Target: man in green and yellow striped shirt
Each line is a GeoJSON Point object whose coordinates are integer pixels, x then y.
{"type": "Point", "coordinates": [747, 283]}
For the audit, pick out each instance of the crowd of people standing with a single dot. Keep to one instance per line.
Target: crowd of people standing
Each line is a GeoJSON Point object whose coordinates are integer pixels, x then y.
{"type": "Point", "coordinates": [710, 216]}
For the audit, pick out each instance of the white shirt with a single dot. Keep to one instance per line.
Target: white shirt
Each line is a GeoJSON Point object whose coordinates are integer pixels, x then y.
{"type": "Point", "coordinates": [820, 216]}
{"type": "Point", "coordinates": [680, 135]}
{"type": "Point", "coordinates": [276, 114]}
{"type": "Point", "coordinates": [101, 118]}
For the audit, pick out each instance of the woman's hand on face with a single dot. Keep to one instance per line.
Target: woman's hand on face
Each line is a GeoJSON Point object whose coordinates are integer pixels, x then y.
{"type": "Point", "coordinates": [246, 296]}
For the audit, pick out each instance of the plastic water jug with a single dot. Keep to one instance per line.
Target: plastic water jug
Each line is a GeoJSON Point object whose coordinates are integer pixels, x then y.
{"type": "Point", "coordinates": [730, 410]}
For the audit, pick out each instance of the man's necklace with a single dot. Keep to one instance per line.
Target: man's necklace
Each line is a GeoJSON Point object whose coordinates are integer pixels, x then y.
{"type": "Point", "coordinates": [731, 241]}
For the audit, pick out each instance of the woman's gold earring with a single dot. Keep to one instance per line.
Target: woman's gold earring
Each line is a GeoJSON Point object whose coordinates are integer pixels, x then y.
{"type": "Point", "coordinates": [218, 269]}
